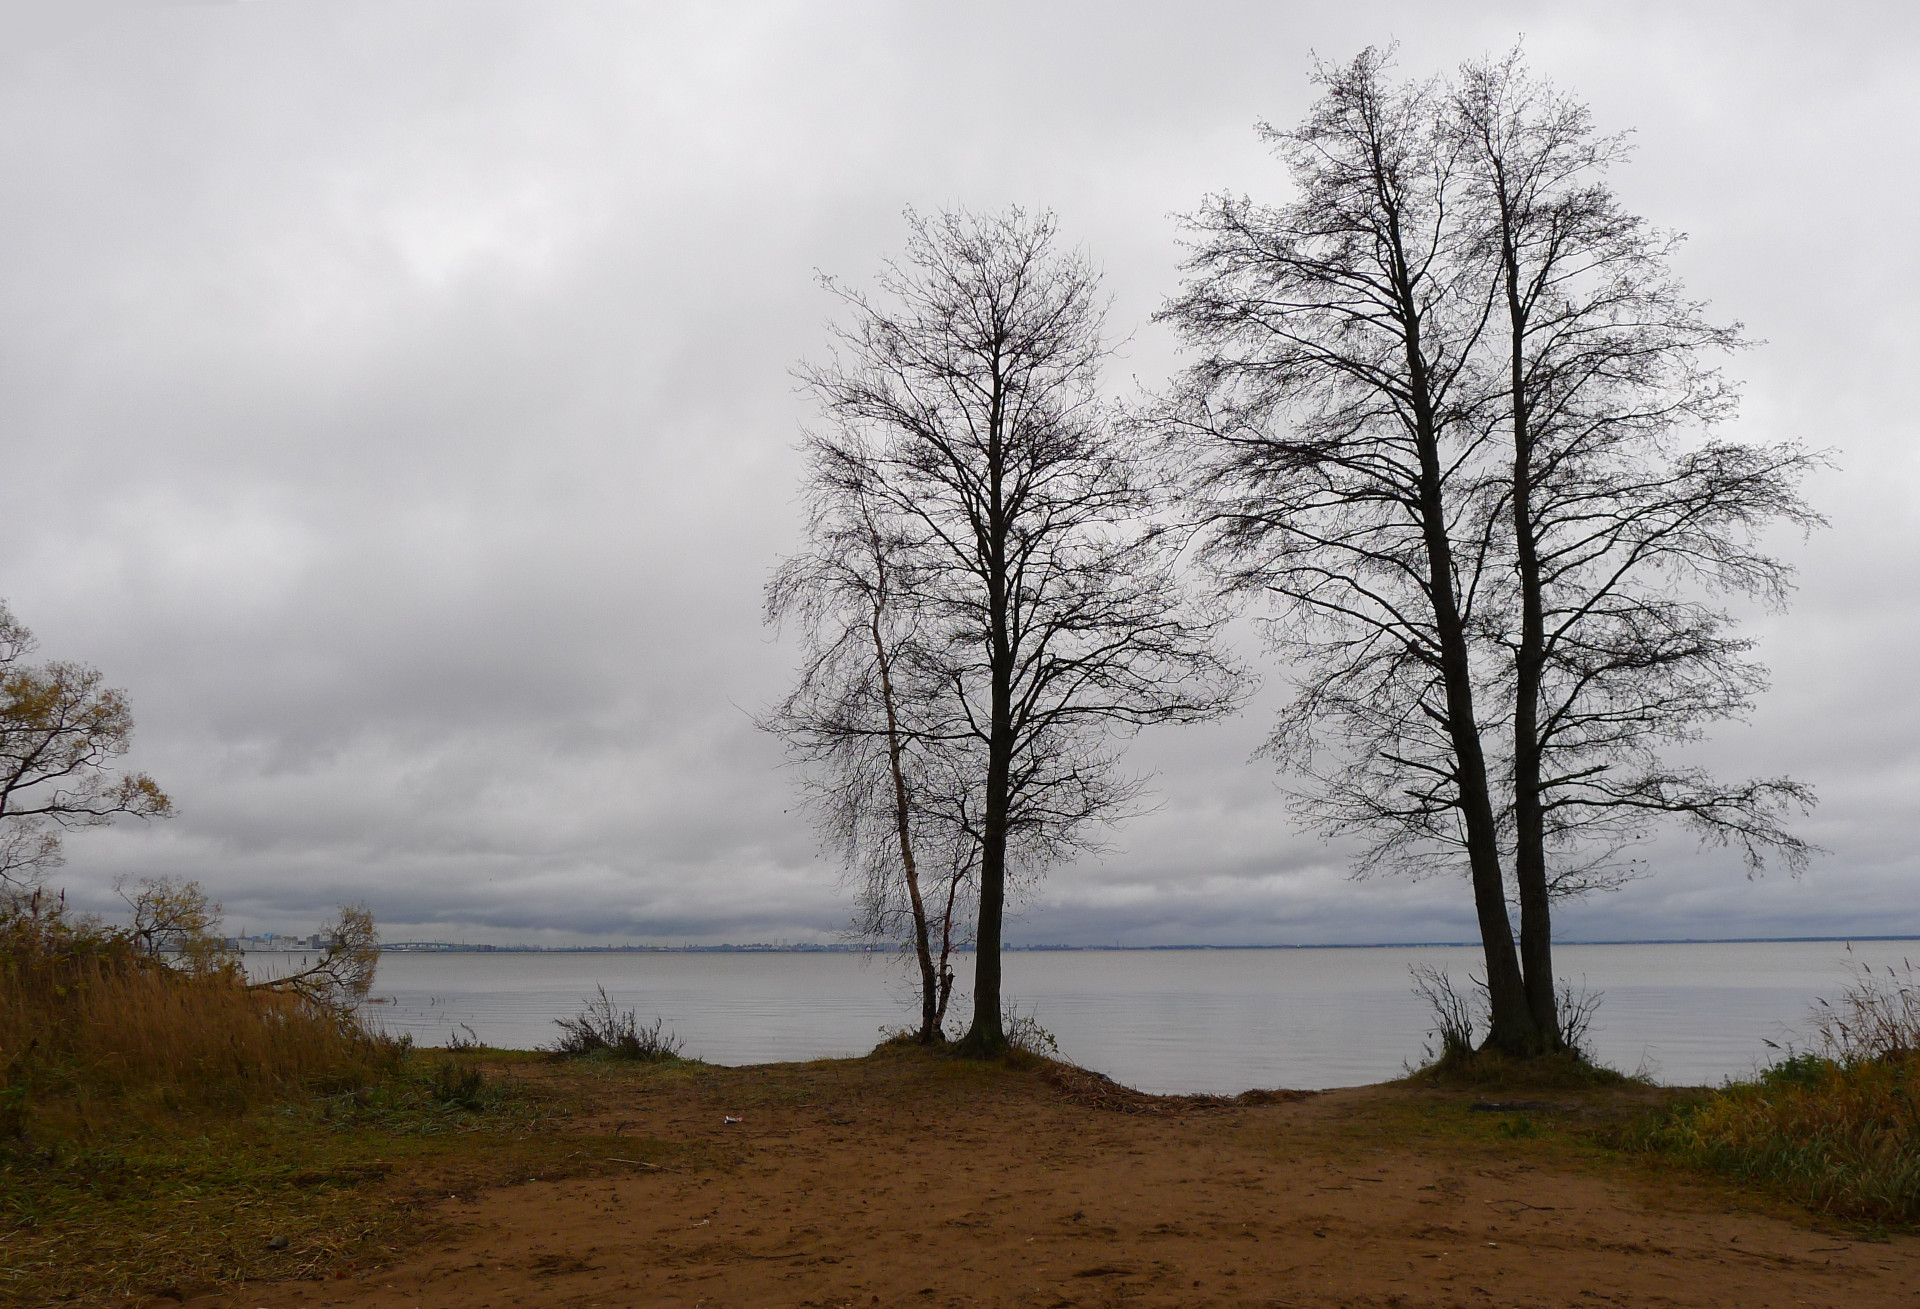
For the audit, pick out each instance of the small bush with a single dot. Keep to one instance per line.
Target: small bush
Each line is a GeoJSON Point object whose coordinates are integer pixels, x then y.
{"type": "Point", "coordinates": [1025, 1034]}
{"type": "Point", "coordinates": [1459, 1017]}
{"type": "Point", "coordinates": [603, 1031]}
{"type": "Point", "coordinates": [459, 1085]}
{"type": "Point", "coordinates": [1455, 1016]}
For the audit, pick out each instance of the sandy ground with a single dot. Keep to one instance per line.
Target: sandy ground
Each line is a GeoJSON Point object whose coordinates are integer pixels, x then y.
{"type": "Point", "coordinates": [870, 1183]}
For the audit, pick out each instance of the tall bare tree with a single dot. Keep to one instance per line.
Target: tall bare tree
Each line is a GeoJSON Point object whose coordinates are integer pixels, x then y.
{"type": "Point", "coordinates": [1449, 414]}
{"type": "Point", "coordinates": [1621, 522]}
{"type": "Point", "coordinates": [961, 403]}
{"type": "Point", "coordinates": [1334, 420]}
{"type": "Point", "coordinates": [61, 734]}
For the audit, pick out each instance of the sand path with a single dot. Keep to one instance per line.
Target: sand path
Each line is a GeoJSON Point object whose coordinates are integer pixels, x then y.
{"type": "Point", "coordinates": [853, 1191]}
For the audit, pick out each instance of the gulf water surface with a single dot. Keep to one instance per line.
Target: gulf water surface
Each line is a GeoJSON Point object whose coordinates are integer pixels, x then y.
{"type": "Point", "coordinates": [1161, 1020]}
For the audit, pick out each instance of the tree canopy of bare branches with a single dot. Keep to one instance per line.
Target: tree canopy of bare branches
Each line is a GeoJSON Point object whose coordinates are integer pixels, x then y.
{"type": "Point", "coordinates": [61, 732]}
{"type": "Point", "coordinates": [1625, 517]}
{"type": "Point", "coordinates": [1450, 415]}
{"type": "Point", "coordinates": [961, 410]}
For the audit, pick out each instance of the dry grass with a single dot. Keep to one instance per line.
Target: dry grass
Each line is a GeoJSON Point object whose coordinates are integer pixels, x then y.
{"type": "Point", "coordinates": [1837, 1127]}
{"type": "Point", "coordinates": [86, 1015]}
{"type": "Point", "coordinates": [165, 1127]}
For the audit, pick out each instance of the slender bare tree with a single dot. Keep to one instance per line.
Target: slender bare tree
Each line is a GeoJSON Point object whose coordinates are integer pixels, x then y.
{"type": "Point", "coordinates": [1334, 424]}
{"type": "Point", "coordinates": [961, 404]}
{"type": "Point", "coordinates": [884, 792]}
{"type": "Point", "coordinates": [1622, 521]}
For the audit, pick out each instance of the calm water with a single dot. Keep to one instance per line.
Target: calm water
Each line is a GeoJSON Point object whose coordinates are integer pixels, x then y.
{"type": "Point", "coordinates": [1164, 1021]}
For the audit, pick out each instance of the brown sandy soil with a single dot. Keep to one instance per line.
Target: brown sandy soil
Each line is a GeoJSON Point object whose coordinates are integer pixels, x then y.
{"type": "Point", "coordinates": [905, 1180]}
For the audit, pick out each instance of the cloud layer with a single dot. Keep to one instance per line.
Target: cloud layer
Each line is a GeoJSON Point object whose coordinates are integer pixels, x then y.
{"type": "Point", "coordinates": [396, 402]}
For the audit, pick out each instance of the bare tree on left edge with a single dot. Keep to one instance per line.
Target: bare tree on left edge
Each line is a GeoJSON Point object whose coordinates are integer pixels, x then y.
{"type": "Point", "coordinates": [61, 734]}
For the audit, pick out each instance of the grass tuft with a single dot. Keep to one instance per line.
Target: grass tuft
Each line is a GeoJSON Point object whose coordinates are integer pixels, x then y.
{"type": "Point", "coordinates": [1490, 1070]}
{"type": "Point", "coordinates": [601, 1031]}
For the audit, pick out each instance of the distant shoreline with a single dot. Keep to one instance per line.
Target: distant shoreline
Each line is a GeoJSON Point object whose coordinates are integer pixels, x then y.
{"type": "Point", "coordinates": [452, 947]}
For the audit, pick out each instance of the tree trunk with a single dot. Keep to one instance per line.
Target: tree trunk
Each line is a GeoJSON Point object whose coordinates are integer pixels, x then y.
{"type": "Point", "coordinates": [902, 814]}
{"type": "Point", "coordinates": [987, 1037]}
{"type": "Point", "coordinates": [946, 951]}
{"type": "Point", "coordinates": [1530, 853]}
{"type": "Point", "coordinates": [1512, 1024]}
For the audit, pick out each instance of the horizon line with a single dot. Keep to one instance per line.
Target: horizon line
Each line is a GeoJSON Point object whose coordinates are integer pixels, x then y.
{"type": "Point", "coordinates": [844, 947]}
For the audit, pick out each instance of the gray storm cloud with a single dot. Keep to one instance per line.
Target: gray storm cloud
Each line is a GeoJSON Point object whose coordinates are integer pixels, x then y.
{"type": "Point", "coordinates": [396, 402]}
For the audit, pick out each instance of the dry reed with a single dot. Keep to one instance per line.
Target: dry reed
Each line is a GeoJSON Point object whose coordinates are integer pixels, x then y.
{"type": "Point", "coordinates": [84, 1013]}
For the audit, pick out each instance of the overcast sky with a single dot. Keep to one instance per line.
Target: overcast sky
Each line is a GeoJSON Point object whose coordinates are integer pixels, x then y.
{"type": "Point", "coordinates": [395, 401]}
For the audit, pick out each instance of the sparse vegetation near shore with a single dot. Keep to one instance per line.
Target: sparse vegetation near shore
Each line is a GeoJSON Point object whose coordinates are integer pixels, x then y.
{"type": "Point", "coordinates": [628, 1159]}
{"type": "Point", "coordinates": [1836, 1127]}
{"type": "Point", "coordinates": [90, 1018]}
{"type": "Point", "coordinates": [165, 1122]}
{"type": "Point", "coordinates": [171, 1128]}
{"type": "Point", "coordinates": [600, 1031]}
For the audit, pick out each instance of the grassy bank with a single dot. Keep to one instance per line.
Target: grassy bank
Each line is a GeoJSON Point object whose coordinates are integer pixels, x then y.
{"type": "Point", "coordinates": [1835, 1127]}
{"type": "Point", "coordinates": [169, 1130]}
{"type": "Point", "coordinates": [1842, 1138]}
{"type": "Point", "coordinates": [163, 1125]}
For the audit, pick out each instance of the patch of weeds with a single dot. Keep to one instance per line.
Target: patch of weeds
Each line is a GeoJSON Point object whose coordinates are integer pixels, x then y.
{"type": "Point", "coordinates": [1519, 1128]}
{"type": "Point", "coordinates": [1025, 1034]}
{"type": "Point", "coordinates": [1802, 1071]}
{"type": "Point", "coordinates": [1450, 1057]}
{"type": "Point", "coordinates": [1489, 1070]}
{"type": "Point", "coordinates": [602, 1031]}
{"type": "Point", "coordinates": [1836, 1128]}
{"type": "Point", "coordinates": [122, 1197]}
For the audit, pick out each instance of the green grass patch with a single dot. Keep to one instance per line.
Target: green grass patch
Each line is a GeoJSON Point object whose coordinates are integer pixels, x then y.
{"type": "Point", "coordinates": [1836, 1127]}
{"type": "Point", "coordinates": [1840, 1137]}
{"type": "Point", "coordinates": [114, 1200]}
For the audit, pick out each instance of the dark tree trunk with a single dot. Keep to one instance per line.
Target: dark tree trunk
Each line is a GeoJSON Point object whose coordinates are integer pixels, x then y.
{"type": "Point", "coordinates": [1512, 1022]}
{"type": "Point", "coordinates": [1530, 855]}
{"type": "Point", "coordinates": [987, 1036]}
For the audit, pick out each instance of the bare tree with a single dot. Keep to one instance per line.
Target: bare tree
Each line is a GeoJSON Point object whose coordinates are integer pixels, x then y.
{"type": "Point", "coordinates": [61, 732]}
{"type": "Point", "coordinates": [1333, 422]}
{"type": "Point", "coordinates": [1621, 523]}
{"type": "Point", "coordinates": [1448, 414]}
{"type": "Point", "coordinates": [340, 978]}
{"type": "Point", "coordinates": [962, 406]}
{"type": "Point", "coordinates": [884, 792]}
